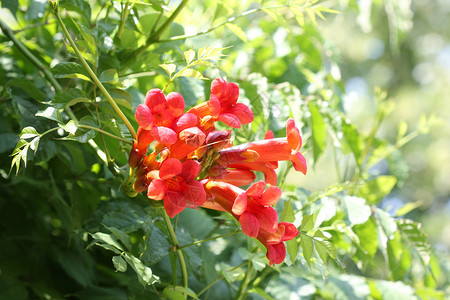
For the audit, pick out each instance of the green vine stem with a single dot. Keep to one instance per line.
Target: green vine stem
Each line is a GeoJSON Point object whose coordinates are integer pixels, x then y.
{"type": "Point", "coordinates": [125, 12]}
{"type": "Point", "coordinates": [155, 36]}
{"type": "Point", "coordinates": [243, 288]}
{"type": "Point", "coordinates": [209, 239]}
{"type": "Point", "coordinates": [105, 133]}
{"type": "Point", "coordinates": [91, 73]}
{"type": "Point", "coordinates": [176, 245]}
{"type": "Point", "coordinates": [229, 20]}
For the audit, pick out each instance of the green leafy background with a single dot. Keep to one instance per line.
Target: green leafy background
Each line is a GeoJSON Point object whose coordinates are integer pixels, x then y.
{"type": "Point", "coordinates": [367, 82]}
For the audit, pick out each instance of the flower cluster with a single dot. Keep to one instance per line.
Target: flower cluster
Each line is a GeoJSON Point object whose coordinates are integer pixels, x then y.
{"type": "Point", "coordinates": [191, 164]}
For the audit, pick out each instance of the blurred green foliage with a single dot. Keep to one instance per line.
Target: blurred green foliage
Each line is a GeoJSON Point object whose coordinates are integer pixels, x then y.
{"type": "Point", "coordinates": [377, 162]}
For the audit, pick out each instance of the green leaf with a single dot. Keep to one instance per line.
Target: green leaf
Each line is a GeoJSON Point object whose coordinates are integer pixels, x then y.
{"type": "Point", "coordinates": [408, 207]}
{"type": "Point", "coordinates": [50, 113]}
{"type": "Point", "coordinates": [368, 238]}
{"type": "Point", "coordinates": [70, 127]}
{"type": "Point", "coordinates": [387, 223]}
{"type": "Point", "coordinates": [28, 87]}
{"type": "Point", "coordinates": [144, 273]}
{"type": "Point", "coordinates": [121, 236]}
{"type": "Point", "coordinates": [324, 246]}
{"type": "Point", "coordinates": [191, 73]}
{"type": "Point", "coordinates": [357, 212]}
{"type": "Point", "coordinates": [109, 76]}
{"type": "Point", "coordinates": [70, 97]}
{"type": "Point", "coordinates": [20, 154]}
{"type": "Point", "coordinates": [210, 53]}
{"type": "Point", "coordinates": [287, 215]}
{"type": "Point", "coordinates": [237, 31]}
{"type": "Point", "coordinates": [70, 70]}
{"type": "Point", "coordinates": [260, 292]}
{"type": "Point", "coordinates": [231, 275]}
{"type": "Point", "coordinates": [319, 131]}
{"type": "Point", "coordinates": [35, 143]}
{"type": "Point", "coordinates": [105, 238]}
{"type": "Point", "coordinates": [376, 189]}
{"type": "Point", "coordinates": [308, 222]}
{"type": "Point", "coordinates": [169, 68]}
{"type": "Point", "coordinates": [83, 135]}
{"type": "Point", "coordinates": [418, 239]}
{"type": "Point", "coordinates": [28, 132]}
{"type": "Point", "coordinates": [189, 56]}
{"type": "Point", "coordinates": [178, 292]}
{"type": "Point", "coordinates": [307, 245]}
{"type": "Point", "coordinates": [7, 142]}
{"type": "Point", "coordinates": [292, 247]}
{"type": "Point", "coordinates": [79, 6]}
{"type": "Point", "coordinates": [399, 256]}
{"type": "Point", "coordinates": [354, 140]}
{"type": "Point", "coordinates": [86, 55]}
{"type": "Point", "coordinates": [157, 248]}
{"type": "Point", "coordinates": [119, 263]}
{"type": "Point", "coordinates": [121, 97]}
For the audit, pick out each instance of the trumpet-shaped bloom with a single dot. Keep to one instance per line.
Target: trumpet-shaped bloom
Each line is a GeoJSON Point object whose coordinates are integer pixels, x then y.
{"type": "Point", "coordinates": [268, 150]}
{"type": "Point", "coordinates": [222, 106]}
{"type": "Point", "coordinates": [175, 183]}
{"type": "Point", "coordinates": [252, 207]}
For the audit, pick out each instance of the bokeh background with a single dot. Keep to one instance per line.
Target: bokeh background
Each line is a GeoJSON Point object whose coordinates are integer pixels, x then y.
{"type": "Point", "coordinates": [403, 47]}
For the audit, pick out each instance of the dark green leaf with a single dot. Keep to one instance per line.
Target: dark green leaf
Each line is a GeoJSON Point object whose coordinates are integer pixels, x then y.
{"type": "Point", "coordinates": [79, 6]}
{"type": "Point", "coordinates": [7, 141]}
{"type": "Point", "coordinates": [28, 87]}
{"type": "Point", "coordinates": [70, 70]}
{"type": "Point", "coordinates": [157, 248]}
{"type": "Point", "coordinates": [70, 95]}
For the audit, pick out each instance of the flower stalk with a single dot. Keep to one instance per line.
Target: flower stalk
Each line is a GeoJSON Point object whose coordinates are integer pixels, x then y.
{"type": "Point", "coordinates": [179, 251]}
{"type": "Point", "coordinates": [92, 74]}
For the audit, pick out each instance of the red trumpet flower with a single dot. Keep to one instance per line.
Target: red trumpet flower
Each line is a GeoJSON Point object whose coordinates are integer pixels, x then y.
{"type": "Point", "coordinates": [175, 183]}
{"type": "Point", "coordinates": [222, 106]}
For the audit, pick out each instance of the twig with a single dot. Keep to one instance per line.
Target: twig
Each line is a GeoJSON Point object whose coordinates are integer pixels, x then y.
{"type": "Point", "coordinates": [91, 73]}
